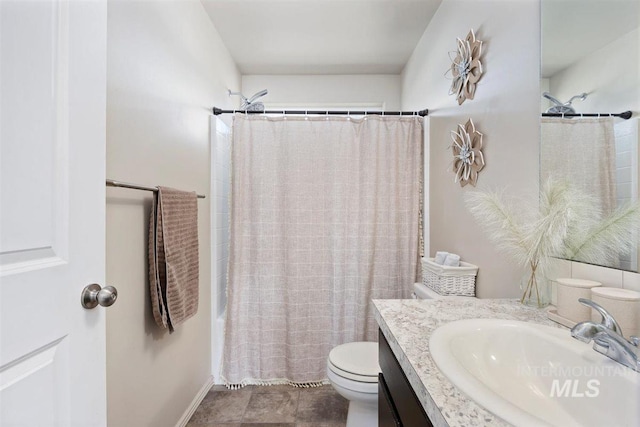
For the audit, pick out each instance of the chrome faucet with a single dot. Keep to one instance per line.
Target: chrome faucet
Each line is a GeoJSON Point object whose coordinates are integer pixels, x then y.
{"type": "Point", "coordinates": [607, 337]}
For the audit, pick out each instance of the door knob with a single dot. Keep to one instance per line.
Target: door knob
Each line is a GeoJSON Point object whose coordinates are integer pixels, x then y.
{"type": "Point", "coordinates": [94, 295]}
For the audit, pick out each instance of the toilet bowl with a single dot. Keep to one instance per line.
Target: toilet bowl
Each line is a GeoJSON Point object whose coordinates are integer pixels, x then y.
{"type": "Point", "coordinates": [353, 369]}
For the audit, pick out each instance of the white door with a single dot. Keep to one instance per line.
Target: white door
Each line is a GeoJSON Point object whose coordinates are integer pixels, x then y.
{"type": "Point", "coordinates": [52, 219]}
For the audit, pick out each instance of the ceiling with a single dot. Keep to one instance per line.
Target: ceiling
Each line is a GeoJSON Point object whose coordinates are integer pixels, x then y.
{"type": "Point", "coordinates": [321, 36]}
{"type": "Point", "coordinates": [571, 29]}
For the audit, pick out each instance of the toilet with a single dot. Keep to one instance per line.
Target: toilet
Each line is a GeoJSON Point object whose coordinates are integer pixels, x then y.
{"type": "Point", "coordinates": [353, 369]}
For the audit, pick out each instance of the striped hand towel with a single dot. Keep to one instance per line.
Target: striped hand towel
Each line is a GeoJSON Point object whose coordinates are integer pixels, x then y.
{"type": "Point", "coordinates": [173, 257]}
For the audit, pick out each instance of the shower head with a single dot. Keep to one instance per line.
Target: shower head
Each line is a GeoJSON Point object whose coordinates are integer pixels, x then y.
{"type": "Point", "coordinates": [260, 94]}
{"type": "Point", "coordinates": [250, 104]}
{"type": "Point", "coordinates": [563, 108]}
{"type": "Point", "coordinates": [551, 98]}
{"type": "Point", "coordinates": [581, 97]}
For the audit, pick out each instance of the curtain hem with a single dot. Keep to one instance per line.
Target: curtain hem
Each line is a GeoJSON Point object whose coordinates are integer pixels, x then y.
{"type": "Point", "coordinates": [275, 381]}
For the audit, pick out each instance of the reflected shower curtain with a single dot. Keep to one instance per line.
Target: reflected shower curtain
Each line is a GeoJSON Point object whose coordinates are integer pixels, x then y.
{"type": "Point", "coordinates": [582, 152]}
{"type": "Point", "coordinates": [324, 217]}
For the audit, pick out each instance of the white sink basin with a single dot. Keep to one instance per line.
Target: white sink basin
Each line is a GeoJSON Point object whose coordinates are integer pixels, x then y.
{"type": "Point", "coordinates": [534, 375]}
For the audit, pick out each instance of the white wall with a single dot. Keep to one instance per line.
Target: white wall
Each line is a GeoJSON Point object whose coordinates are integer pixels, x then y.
{"type": "Point", "coordinates": [323, 91]}
{"type": "Point", "coordinates": [610, 76]}
{"type": "Point", "coordinates": [166, 68]}
{"type": "Point", "coordinates": [506, 109]}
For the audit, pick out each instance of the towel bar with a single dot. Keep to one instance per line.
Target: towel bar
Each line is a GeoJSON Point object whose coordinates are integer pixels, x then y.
{"type": "Point", "coordinates": [114, 183]}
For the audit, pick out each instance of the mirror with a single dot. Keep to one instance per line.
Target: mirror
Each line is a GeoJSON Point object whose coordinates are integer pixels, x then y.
{"type": "Point", "coordinates": [590, 64]}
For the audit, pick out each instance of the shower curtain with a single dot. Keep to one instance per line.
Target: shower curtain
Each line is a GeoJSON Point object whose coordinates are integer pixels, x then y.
{"type": "Point", "coordinates": [324, 217]}
{"type": "Point", "coordinates": [583, 153]}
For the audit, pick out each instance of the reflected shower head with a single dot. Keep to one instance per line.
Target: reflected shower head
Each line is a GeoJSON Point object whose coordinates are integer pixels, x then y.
{"type": "Point", "coordinates": [250, 104]}
{"type": "Point", "coordinates": [563, 108]}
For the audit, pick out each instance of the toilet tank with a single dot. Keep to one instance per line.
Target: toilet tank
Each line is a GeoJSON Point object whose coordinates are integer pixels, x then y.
{"type": "Point", "coordinates": [420, 291]}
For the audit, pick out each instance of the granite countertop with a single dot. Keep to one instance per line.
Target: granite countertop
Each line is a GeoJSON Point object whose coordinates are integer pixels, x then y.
{"type": "Point", "coordinates": [408, 324]}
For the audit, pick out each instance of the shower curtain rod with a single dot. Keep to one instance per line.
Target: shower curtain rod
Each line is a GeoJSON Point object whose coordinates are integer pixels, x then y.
{"type": "Point", "coordinates": [624, 115]}
{"type": "Point", "coordinates": [217, 111]}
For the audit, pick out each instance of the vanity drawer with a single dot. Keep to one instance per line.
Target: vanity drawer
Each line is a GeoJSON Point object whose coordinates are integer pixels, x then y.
{"type": "Point", "coordinates": [402, 397]}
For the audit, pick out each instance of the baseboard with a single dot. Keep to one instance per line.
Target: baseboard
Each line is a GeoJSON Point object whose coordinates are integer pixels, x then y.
{"type": "Point", "coordinates": [184, 419]}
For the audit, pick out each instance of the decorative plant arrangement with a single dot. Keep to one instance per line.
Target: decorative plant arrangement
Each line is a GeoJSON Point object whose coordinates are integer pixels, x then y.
{"type": "Point", "coordinates": [566, 223]}
{"type": "Point", "coordinates": [468, 159]}
{"type": "Point", "coordinates": [466, 68]}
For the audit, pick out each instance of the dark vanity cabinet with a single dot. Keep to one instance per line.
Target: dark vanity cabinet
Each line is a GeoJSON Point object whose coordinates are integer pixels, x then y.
{"type": "Point", "coordinates": [398, 404]}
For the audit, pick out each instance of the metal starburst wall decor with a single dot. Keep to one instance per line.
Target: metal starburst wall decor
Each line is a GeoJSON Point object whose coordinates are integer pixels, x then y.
{"type": "Point", "coordinates": [468, 159]}
{"type": "Point", "coordinates": [466, 69]}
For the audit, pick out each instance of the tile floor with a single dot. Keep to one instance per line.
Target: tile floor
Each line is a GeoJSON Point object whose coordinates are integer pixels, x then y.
{"type": "Point", "coordinates": [271, 406]}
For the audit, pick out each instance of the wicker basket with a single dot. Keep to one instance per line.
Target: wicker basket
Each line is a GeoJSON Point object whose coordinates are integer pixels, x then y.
{"type": "Point", "coordinates": [450, 280]}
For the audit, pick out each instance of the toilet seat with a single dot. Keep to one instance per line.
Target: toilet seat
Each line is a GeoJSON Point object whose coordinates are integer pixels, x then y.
{"type": "Point", "coordinates": [352, 377]}
{"type": "Point", "coordinates": [355, 361]}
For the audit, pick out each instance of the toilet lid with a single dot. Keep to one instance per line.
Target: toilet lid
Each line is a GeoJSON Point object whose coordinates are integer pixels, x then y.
{"type": "Point", "coordinates": [359, 359]}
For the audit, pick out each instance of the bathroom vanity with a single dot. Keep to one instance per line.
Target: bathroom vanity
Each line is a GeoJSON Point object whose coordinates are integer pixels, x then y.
{"type": "Point", "coordinates": [412, 390]}
{"type": "Point", "coordinates": [398, 404]}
